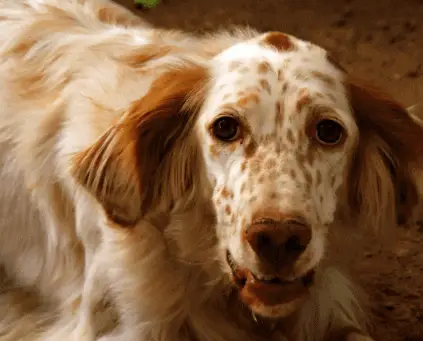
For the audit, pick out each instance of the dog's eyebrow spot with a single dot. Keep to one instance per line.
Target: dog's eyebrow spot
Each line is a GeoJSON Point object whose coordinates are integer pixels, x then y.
{"type": "Point", "coordinates": [228, 210]}
{"type": "Point", "coordinates": [304, 99]}
{"type": "Point", "coordinates": [278, 40]}
{"type": "Point", "coordinates": [250, 98]}
{"type": "Point", "coordinates": [250, 149]}
{"type": "Point", "coordinates": [264, 67]}
{"type": "Point", "coordinates": [266, 86]}
{"type": "Point", "coordinates": [226, 193]}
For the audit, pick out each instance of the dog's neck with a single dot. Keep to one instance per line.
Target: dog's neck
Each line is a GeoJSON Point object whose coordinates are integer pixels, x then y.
{"type": "Point", "coordinates": [189, 232]}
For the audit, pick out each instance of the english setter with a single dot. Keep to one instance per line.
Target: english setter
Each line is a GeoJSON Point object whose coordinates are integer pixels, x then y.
{"type": "Point", "coordinates": [168, 187]}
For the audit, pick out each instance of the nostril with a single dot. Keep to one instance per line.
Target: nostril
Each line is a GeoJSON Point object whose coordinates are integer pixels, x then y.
{"type": "Point", "coordinates": [293, 244]}
{"type": "Point", "coordinates": [263, 241]}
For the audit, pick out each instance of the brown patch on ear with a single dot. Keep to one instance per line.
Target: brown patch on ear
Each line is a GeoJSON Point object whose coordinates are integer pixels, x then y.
{"type": "Point", "coordinates": [278, 41]}
{"type": "Point", "coordinates": [391, 143]}
{"type": "Point", "coordinates": [147, 157]}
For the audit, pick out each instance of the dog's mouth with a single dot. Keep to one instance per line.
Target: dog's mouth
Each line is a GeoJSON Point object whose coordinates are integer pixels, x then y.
{"type": "Point", "coordinates": [268, 291]}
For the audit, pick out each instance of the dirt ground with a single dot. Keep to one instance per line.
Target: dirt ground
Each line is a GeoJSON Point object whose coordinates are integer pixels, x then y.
{"type": "Point", "coordinates": [379, 40]}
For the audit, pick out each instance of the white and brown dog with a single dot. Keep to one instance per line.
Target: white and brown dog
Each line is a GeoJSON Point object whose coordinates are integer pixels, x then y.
{"type": "Point", "coordinates": [197, 184]}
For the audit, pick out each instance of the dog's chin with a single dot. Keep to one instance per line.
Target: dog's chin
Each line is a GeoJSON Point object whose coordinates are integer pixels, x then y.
{"type": "Point", "coordinates": [271, 297]}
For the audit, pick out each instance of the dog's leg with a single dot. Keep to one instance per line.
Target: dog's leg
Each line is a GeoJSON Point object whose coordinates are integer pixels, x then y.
{"type": "Point", "coordinates": [94, 291]}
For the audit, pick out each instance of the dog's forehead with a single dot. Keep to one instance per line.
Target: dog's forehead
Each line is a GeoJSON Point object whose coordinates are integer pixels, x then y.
{"type": "Point", "coordinates": [283, 71]}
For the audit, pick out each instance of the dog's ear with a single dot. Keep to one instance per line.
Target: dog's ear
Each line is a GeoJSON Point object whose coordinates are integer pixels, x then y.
{"type": "Point", "coordinates": [382, 191]}
{"type": "Point", "coordinates": [146, 159]}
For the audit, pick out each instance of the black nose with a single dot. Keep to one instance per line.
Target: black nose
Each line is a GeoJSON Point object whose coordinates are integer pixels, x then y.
{"type": "Point", "coordinates": [278, 244]}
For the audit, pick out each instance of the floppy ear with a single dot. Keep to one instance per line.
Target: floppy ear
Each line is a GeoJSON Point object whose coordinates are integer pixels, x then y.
{"type": "Point", "coordinates": [147, 158]}
{"type": "Point", "coordinates": [382, 191]}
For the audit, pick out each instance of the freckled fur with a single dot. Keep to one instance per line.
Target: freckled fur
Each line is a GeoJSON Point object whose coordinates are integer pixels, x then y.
{"type": "Point", "coordinates": [117, 204]}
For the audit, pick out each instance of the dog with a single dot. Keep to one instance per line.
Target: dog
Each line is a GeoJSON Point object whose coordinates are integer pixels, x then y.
{"type": "Point", "coordinates": [157, 185]}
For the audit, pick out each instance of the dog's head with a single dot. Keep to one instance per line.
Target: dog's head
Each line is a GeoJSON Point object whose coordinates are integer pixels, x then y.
{"type": "Point", "coordinates": [278, 139]}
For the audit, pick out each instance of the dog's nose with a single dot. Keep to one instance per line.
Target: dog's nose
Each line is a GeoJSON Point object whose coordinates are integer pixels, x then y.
{"type": "Point", "coordinates": [278, 244]}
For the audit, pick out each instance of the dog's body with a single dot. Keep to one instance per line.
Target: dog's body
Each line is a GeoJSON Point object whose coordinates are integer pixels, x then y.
{"type": "Point", "coordinates": [74, 226]}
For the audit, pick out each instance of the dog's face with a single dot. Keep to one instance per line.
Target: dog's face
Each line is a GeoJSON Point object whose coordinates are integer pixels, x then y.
{"type": "Point", "coordinates": [278, 140]}
{"type": "Point", "coordinates": [277, 135]}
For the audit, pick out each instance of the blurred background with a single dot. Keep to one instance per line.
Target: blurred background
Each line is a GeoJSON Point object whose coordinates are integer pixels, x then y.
{"type": "Point", "coordinates": [378, 40]}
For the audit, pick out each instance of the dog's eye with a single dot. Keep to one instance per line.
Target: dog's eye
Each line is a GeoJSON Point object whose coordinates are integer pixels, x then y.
{"type": "Point", "coordinates": [226, 128]}
{"type": "Point", "coordinates": [329, 132]}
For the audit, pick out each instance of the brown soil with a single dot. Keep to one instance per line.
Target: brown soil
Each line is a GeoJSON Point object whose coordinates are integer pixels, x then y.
{"type": "Point", "coordinates": [381, 41]}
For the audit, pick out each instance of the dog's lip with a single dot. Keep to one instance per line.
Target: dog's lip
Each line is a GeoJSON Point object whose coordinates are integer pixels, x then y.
{"type": "Point", "coordinates": [268, 290]}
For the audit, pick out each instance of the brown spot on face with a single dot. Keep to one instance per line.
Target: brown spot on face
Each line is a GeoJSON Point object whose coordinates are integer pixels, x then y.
{"type": "Point", "coordinates": [273, 195]}
{"type": "Point", "coordinates": [267, 139]}
{"type": "Point", "coordinates": [250, 149]}
{"type": "Point", "coordinates": [244, 101]}
{"type": "Point", "coordinates": [255, 166]}
{"type": "Point", "coordinates": [228, 210]}
{"type": "Point", "coordinates": [243, 166]}
{"type": "Point", "coordinates": [261, 179]}
{"type": "Point", "coordinates": [324, 78]}
{"type": "Point", "coordinates": [292, 173]}
{"type": "Point", "coordinates": [290, 136]}
{"type": "Point", "coordinates": [319, 177]}
{"type": "Point", "coordinates": [264, 67]}
{"type": "Point", "coordinates": [304, 99]}
{"type": "Point", "coordinates": [278, 41]}
{"type": "Point", "coordinates": [310, 155]}
{"type": "Point", "coordinates": [265, 85]}
{"type": "Point", "coordinates": [270, 163]}
{"type": "Point", "coordinates": [279, 114]}
{"type": "Point", "coordinates": [301, 159]}
{"type": "Point", "coordinates": [242, 190]}
{"type": "Point", "coordinates": [307, 176]}
{"type": "Point", "coordinates": [225, 192]}
{"type": "Point", "coordinates": [232, 147]}
{"type": "Point", "coordinates": [284, 88]}
{"type": "Point", "coordinates": [280, 75]}
{"type": "Point", "coordinates": [213, 151]}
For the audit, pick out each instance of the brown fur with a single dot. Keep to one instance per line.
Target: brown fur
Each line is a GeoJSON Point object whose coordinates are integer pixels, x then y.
{"type": "Point", "coordinates": [129, 163]}
{"type": "Point", "coordinates": [390, 144]}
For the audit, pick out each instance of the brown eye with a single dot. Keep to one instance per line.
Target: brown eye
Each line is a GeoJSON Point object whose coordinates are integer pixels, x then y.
{"type": "Point", "coordinates": [329, 132]}
{"type": "Point", "coordinates": [226, 128]}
